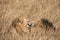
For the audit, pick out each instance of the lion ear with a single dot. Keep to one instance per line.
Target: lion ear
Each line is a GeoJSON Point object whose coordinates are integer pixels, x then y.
{"type": "Point", "coordinates": [21, 19]}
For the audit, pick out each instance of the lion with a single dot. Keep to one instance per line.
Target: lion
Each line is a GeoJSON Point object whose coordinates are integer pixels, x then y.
{"type": "Point", "coordinates": [25, 25]}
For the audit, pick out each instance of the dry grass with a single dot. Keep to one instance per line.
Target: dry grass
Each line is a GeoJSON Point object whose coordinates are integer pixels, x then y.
{"type": "Point", "coordinates": [34, 10]}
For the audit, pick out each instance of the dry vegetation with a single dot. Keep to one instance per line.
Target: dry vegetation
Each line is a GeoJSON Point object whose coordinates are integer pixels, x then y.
{"type": "Point", "coordinates": [11, 10]}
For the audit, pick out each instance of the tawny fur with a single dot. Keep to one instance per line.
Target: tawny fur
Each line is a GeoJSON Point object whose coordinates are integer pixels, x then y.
{"type": "Point", "coordinates": [26, 25]}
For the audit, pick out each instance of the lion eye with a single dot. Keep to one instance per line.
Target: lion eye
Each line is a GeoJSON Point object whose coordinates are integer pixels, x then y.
{"type": "Point", "coordinates": [30, 25]}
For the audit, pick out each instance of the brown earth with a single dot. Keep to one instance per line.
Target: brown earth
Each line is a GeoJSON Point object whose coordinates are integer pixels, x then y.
{"type": "Point", "coordinates": [32, 9]}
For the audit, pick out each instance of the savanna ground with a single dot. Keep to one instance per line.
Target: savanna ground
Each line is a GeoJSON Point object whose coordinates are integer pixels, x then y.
{"type": "Point", "coordinates": [32, 9]}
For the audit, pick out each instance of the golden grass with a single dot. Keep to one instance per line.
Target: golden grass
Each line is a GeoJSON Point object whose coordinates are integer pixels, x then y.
{"type": "Point", "coordinates": [33, 10]}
